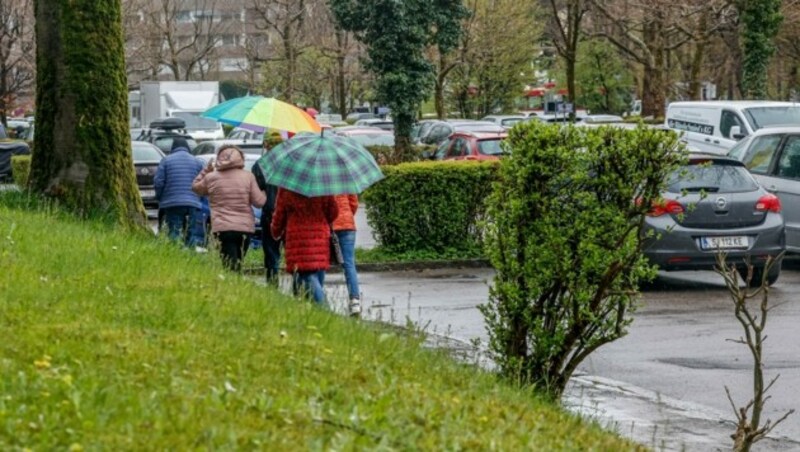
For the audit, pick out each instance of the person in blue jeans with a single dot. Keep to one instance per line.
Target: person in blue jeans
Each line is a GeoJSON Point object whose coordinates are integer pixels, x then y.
{"type": "Point", "coordinates": [345, 229]}
{"type": "Point", "coordinates": [173, 185]}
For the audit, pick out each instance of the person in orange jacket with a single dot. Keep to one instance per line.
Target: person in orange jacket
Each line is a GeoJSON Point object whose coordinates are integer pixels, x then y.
{"type": "Point", "coordinates": [345, 228]}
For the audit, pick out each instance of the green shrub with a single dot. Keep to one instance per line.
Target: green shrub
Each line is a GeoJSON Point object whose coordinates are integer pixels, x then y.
{"type": "Point", "coordinates": [21, 169]}
{"type": "Point", "coordinates": [430, 206]}
{"type": "Point", "coordinates": [566, 243]}
{"type": "Point", "coordinates": [388, 155]}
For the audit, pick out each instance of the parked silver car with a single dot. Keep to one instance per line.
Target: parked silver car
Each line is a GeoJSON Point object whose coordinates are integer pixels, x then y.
{"type": "Point", "coordinates": [773, 157]}
{"type": "Point", "coordinates": [713, 204]}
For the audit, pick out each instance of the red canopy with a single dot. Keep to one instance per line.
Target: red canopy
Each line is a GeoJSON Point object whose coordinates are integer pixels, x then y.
{"type": "Point", "coordinates": [535, 92]}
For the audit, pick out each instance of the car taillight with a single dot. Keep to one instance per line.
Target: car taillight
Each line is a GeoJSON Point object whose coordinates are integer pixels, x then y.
{"type": "Point", "coordinates": [768, 203]}
{"type": "Point", "coordinates": [665, 207]}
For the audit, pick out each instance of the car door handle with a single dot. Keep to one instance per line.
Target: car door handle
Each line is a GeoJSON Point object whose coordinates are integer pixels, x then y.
{"type": "Point", "coordinates": [772, 189]}
{"type": "Point", "coordinates": [716, 141]}
{"type": "Point", "coordinates": [708, 140]}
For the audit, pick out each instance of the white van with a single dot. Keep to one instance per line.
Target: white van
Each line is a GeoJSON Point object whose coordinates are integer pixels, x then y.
{"type": "Point", "coordinates": [716, 126]}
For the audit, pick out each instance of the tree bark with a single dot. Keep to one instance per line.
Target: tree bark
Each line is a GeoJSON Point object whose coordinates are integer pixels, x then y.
{"type": "Point", "coordinates": [288, 54]}
{"type": "Point", "coordinates": [403, 123]}
{"type": "Point", "coordinates": [570, 61]}
{"type": "Point", "coordinates": [653, 98]}
{"type": "Point", "coordinates": [341, 90]}
{"type": "Point", "coordinates": [697, 59]}
{"type": "Point", "coordinates": [82, 154]}
{"type": "Point", "coordinates": [653, 85]}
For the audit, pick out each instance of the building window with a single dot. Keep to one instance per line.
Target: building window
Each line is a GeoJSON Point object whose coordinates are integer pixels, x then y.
{"type": "Point", "coordinates": [183, 16]}
{"type": "Point", "coordinates": [232, 64]}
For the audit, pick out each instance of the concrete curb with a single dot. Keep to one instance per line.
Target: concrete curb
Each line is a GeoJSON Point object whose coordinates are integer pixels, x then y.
{"type": "Point", "coordinates": [377, 267]}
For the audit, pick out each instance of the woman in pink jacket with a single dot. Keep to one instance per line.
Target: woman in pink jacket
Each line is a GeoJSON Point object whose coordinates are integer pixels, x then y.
{"type": "Point", "coordinates": [231, 192]}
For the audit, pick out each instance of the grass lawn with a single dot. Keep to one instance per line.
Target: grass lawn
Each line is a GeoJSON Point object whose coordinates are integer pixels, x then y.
{"type": "Point", "coordinates": [116, 341]}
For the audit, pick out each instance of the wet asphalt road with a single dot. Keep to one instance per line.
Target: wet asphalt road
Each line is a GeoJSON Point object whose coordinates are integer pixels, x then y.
{"type": "Point", "coordinates": [665, 379]}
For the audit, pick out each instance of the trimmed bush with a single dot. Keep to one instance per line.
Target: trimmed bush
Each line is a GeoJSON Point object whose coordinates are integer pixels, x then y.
{"type": "Point", "coordinates": [21, 169]}
{"type": "Point", "coordinates": [430, 206]}
{"type": "Point", "coordinates": [565, 240]}
{"type": "Point", "coordinates": [387, 155]}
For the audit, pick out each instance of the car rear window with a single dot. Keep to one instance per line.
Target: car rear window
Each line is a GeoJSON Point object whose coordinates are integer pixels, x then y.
{"type": "Point", "coordinates": [712, 177]}
{"type": "Point", "coordinates": [252, 149]}
{"type": "Point", "coordinates": [490, 147]}
{"type": "Point", "coordinates": [165, 143]}
{"type": "Point", "coordinates": [383, 139]}
{"type": "Point", "coordinates": [143, 152]}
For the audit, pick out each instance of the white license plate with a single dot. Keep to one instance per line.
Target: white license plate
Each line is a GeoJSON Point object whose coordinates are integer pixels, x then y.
{"type": "Point", "coordinates": [723, 243]}
{"type": "Point", "coordinates": [148, 193]}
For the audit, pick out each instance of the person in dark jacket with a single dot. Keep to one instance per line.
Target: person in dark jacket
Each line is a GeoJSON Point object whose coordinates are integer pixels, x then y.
{"type": "Point", "coordinates": [271, 247]}
{"type": "Point", "coordinates": [305, 225]}
{"type": "Point", "coordinates": [173, 185]}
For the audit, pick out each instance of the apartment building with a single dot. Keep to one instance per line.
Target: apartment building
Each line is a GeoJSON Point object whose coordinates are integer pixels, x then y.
{"type": "Point", "coordinates": [194, 39]}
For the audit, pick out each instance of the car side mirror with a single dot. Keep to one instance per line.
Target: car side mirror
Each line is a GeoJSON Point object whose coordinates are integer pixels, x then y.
{"type": "Point", "coordinates": [736, 133]}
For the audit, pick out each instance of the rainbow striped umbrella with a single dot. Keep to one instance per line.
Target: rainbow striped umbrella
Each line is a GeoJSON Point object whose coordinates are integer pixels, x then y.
{"type": "Point", "coordinates": [260, 113]}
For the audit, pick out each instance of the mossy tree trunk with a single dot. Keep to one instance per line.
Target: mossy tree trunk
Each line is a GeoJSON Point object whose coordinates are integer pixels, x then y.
{"type": "Point", "coordinates": [82, 147]}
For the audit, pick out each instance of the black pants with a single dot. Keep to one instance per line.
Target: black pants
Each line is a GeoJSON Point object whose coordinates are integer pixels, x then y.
{"type": "Point", "coordinates": [271, 247]}
{"type": "Point", "coordinates": [232, 248]}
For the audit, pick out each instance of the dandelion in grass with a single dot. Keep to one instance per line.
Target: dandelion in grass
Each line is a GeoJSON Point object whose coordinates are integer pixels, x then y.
{"type": "Point", "coordinates": [43, 363]}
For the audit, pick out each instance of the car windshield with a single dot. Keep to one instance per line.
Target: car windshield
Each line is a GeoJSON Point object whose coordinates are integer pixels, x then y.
{"type": "Point", "coordinates": [490, 147]}
{"type": "Point", "coordinates": [144, 152]}
{"type": "Point", "coordinates": [711, 177]}
{"type": "Point", "coordinates": [511, 121]}
{"type": "Point", "coordinates": [478, 127]}
{"type": "Point", "coordinates": [772, 116]}
{"type": "Point", "coordinates": [194, 121]}
{"type": "Point", "coordinates": [377, 139]}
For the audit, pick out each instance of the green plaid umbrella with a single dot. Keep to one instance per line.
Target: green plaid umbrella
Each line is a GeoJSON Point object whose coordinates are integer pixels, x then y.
{"type": "Point", "coordinates": [320, 165]}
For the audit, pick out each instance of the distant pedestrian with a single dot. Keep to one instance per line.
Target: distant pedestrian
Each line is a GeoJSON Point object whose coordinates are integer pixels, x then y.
{"type": "Point", "coordinates": [173, 185]}
{"type": "Point", "coordinates": [345, 229]}
{"type": "Point", "coordinates": [231, 192]}
{"type": "Point", "coordinates": [305, 226]}
{"type": "Point", "coordinates": [271, 247]}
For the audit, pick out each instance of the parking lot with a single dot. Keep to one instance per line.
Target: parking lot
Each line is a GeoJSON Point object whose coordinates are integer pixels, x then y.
{"type": "Point", "coordinates": [663, 383]}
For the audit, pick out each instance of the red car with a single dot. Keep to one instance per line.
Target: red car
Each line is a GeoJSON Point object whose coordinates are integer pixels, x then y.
{"type": "Point", "coordinates": [472, 146]}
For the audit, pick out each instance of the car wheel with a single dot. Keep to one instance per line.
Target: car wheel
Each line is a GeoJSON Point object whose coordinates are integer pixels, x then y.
{"type": "Point", "coordinates": [758, 275]}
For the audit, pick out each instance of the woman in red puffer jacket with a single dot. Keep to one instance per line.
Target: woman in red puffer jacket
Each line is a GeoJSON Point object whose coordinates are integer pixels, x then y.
{"type": "Point", "coordinates": [305, 225]}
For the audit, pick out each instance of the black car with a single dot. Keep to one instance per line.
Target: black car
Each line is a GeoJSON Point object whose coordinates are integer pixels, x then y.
{"type": "Point", "coordinates": [162, 133]}
{"type": "Point", "coordinates": [146, 158]}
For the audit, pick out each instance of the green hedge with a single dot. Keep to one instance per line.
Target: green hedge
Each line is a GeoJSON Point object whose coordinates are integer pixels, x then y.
{"type": "Point", "coordinates": [21, 169]}
{"type": "Point", "coordinates": [430, 206]}
{"type": "Point", "coordinates": [387, 155]}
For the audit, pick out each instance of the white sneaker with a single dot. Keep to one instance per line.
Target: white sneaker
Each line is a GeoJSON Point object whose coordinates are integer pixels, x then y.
{"type": "Point", "coordinates": [200, 249]}
{"type": "Point", "coordinates": [355, 308]}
